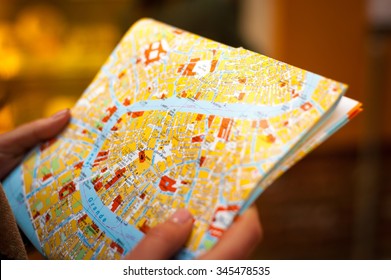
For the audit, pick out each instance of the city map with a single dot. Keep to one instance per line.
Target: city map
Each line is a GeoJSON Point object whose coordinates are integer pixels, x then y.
{"type": "Point", "coordinates": [172, 120]}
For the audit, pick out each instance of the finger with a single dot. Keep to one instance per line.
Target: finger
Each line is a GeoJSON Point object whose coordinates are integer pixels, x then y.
{"type": "Point", "coordinates": [14, 144]}
{"type": "Point", "coordinates": [164, 240]}
{"type": "Point", "coordinates": [28, 135]}
{"type": "Point", "coordinates": [240, 239]}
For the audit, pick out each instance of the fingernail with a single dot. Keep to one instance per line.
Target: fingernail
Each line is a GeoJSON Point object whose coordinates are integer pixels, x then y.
{"type": "Point", "coordinates": [60, 114]}
{"type": "Point", "coordinates": [181, 216]}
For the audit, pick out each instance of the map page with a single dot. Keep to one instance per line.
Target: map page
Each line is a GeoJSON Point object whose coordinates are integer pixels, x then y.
{"type": "Point", "coordinates": [172, 120]}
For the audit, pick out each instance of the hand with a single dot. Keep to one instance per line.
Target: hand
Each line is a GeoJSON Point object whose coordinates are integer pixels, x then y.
{"type": "Point", "coordinates": [166, 239]}
{"type": "Point", "coordinates": [16, 143]}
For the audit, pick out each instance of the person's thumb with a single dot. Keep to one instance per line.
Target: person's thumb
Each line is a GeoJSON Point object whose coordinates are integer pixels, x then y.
{"type": "Point", "coordinates": [30, 134]}
{"type": "Point", "coordinates": [14, 144]}
{"type": "Point", "coordinates": [164, 240]}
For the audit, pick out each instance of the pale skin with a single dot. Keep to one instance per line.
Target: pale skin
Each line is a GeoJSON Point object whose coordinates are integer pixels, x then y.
{"type": "Point", "coordinates": [162, 241]}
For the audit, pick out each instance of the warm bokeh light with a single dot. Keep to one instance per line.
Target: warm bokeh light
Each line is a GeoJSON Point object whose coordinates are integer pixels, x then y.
{"type": "Point", "coordinates": [58, 103]}
{"type": "Point", "coordinates": [47, 57]}
{"type": "Point", "coordinates": [10, 56]}
{"type": "Point", "coordinates": [6, 123]}
{"type": "Point", "coordinates": [40, 30]}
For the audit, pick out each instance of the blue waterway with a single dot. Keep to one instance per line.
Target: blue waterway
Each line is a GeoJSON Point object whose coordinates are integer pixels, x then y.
{"type": "Point", "coordinates": [242, 111]}
{"type": "Point", "coordinates": [121, 232]}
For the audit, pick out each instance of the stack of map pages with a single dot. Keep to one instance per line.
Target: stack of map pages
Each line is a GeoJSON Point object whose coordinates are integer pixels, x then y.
{"type": "Point", "coordinates": [172, 120]}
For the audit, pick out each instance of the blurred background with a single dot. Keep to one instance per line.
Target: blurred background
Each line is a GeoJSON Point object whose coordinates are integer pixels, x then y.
{"type": "Point", "coordinates": [335, 203]}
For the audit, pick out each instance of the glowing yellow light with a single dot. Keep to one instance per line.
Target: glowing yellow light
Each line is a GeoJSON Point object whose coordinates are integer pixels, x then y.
{"type": "Point", "coordinates": [59, 103]}
{"type": "Point", "coordinates": [7, 122]}
{"type": "Point", "coordinates": [10, 57]}
{"type": "Point", "coordinates": [39, 29]}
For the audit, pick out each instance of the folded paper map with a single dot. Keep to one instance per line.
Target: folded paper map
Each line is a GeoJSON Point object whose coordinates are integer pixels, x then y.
{"type": "Point", "coordinates": [172, 120]}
